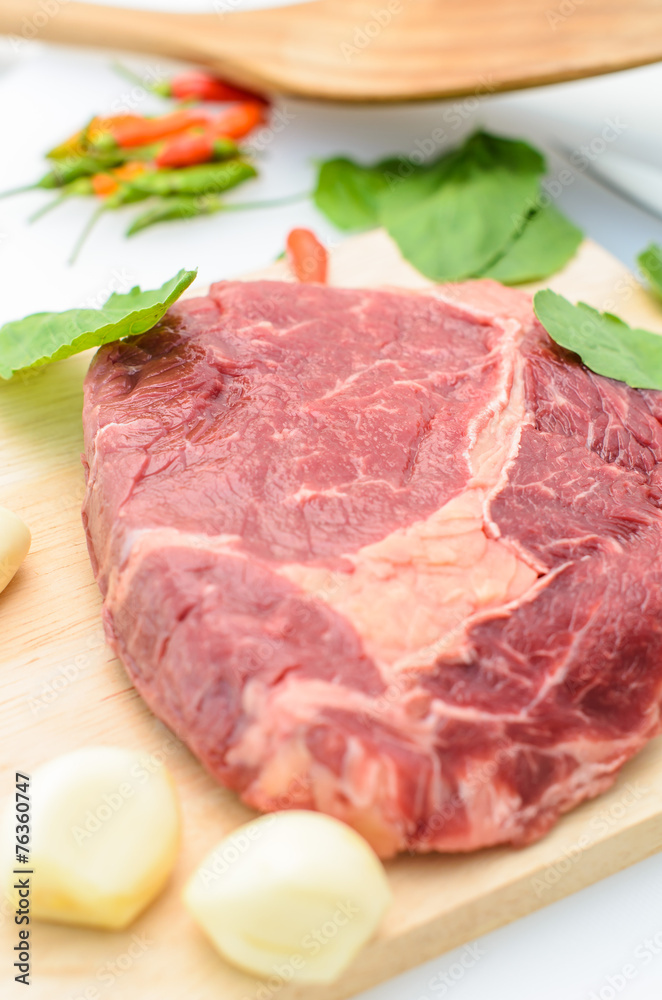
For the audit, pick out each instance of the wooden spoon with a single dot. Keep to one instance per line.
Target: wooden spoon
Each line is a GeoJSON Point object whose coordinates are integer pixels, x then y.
{"type": "Point", "coordinates": [372, 50]}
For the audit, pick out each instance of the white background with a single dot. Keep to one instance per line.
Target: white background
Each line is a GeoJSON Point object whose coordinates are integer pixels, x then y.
{"type": "Point", "coordinates": [572, 950]}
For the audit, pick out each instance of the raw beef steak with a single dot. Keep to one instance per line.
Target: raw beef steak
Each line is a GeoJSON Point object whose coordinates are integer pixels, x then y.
{"type": "Point", "coordinates": [389, 555]}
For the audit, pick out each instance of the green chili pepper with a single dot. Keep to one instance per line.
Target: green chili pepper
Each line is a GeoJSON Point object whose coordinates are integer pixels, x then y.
{"type": "Point", "coordinates": [190, 207]}
{"type": "Point", "coordinates": [66, 172]}
{"type": "Point", "coordinates": [177, 207]}
{"type": "Point", "coordinates": [207, 178]}
{"type": "Point", "coordinates": [125, 195]}
{"type": "Point", "coordinates": [225, 148]}
{"type": "Point", "coordinates": [82, 187]}
{"type": "Point", "coordinates": [85, 166]}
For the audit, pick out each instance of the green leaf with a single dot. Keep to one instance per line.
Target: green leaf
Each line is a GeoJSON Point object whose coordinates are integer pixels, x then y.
{"type": "Point", "coordinates": [347, 193]}
{"type": "Point", "coordinates": [408, 184]}
{"type": "Point", "coordinates": [604, 342]}
{"type": "Point", "coordinates": [457, 220]}
{"type": "Point", "coordinates": [45, 337]}
{"type": "Point", "coordinates": [547, 242]}
{"type": "Point", "coordinates": [472, 212]}
{"type": "Point", "coordinates": [650, 265]}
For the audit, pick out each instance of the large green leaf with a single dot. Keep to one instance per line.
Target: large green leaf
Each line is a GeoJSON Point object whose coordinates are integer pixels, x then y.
{"type": "Point", "coordinates": [347, 193]}
{"type": "Point", "coordinates": [45, 337]}
{"type": "Point", "coordinates": [484, 194]}
{"type": "Point", "coordinates": [473, 211]}
{"type": "Point", "coordinates": [547, 242]}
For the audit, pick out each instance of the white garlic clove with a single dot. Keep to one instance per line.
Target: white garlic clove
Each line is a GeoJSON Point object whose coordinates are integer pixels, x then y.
{"type": "Point", "coordinates": [15, 541]}
{"type": "Point", "coordinates": [104, 836]}
{"type": "Point", "coordinates": [294, 894]}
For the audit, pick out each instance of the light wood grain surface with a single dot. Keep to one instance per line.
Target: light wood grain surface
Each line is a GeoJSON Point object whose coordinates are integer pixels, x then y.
{"type": "Point", "coordinates": [60, 689]}
{"type": "Point", "coordinates": [372, 50]}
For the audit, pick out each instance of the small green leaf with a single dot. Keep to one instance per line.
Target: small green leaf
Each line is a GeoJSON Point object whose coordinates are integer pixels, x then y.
{"type": "Point", "coordinates": [547, 242]}
{"type": "Point", "coordinates": [604, 342]}
{"type": "Point", "coordinates": [650, 265]}
{"type": "Point", "coordinates": [45, 337]}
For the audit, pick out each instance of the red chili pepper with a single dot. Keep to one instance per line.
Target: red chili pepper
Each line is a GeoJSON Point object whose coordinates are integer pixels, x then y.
{"type": "Point", "coordinates": [104, 184]}
{"type": "Point", "coordinates": [197, 85]}
{"type": "Point", "coordinates": [307, 257]}
{"type": "Point", "coordinates": [239, 120]}
{"type": "Point", "coordinates": [191, 148]}
{"type": "Point", "coordinates": [143, 131]}
{"type": "Point", "coordinates": [76, 145]}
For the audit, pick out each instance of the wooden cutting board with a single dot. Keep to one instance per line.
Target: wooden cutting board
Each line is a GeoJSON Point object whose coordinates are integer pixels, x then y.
{"type": "Point", "coordinates": [60, 689]}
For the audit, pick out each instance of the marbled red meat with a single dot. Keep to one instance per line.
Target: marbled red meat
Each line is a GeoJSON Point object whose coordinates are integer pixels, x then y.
{"type": "Point", "coordinates": [389, 555]}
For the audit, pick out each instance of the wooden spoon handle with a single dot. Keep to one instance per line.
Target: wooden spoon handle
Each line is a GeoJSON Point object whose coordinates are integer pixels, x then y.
{"type": "Point", "coordinates": [88, 24]}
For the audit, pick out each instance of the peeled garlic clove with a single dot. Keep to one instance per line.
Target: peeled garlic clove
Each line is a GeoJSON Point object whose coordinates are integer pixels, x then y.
{"type": "Point", "coordinates": [104, 836]}
{"type": "Point", "coordinates": [15, 541]}
{"type": "Point", "coordinates": [294, 894]}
